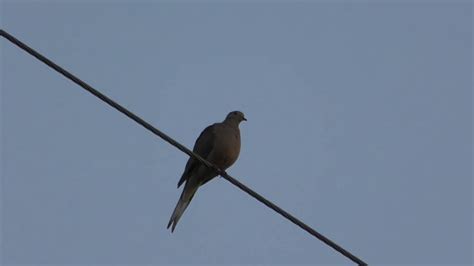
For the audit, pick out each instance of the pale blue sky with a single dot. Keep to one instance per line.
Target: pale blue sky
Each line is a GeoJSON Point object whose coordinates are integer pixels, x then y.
{"type": "Point", "coordinates": [360, 124]}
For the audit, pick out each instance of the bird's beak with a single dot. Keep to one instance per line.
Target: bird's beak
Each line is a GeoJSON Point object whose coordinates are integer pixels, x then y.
{"type": "Point", "coordinates": [245, 119]}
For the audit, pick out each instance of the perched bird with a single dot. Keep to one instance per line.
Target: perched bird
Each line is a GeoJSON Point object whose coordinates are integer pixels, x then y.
{"type": "Point", "coordinates": [219, 144]}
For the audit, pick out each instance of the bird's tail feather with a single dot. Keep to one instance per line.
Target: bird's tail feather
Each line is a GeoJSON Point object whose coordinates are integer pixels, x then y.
{"type": "Point", "coordinates": [184, 200]}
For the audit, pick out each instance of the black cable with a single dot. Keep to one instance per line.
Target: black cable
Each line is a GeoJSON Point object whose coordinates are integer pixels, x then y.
{"type": "Point", "coordinates": [180, 147]}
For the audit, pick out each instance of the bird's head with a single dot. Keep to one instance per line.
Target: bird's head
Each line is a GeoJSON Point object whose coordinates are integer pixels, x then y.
{"type": "Point", "coordinates": [236, 117]}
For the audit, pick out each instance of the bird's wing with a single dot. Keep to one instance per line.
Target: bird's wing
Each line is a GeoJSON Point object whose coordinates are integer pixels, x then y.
{"type": "Point", "coordinates": [203, 146]}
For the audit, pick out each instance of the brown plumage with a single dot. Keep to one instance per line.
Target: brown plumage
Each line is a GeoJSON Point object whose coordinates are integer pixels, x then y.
{"type": "Point", "coordinates": [220, 145]}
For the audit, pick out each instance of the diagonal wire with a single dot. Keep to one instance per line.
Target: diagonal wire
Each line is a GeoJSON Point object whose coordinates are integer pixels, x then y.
{"type": "Point", "coordinates": [181, 147]}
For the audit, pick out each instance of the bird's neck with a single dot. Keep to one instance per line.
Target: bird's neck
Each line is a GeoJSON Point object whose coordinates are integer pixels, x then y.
{"type": "Point", "coordinates": [231, 122]}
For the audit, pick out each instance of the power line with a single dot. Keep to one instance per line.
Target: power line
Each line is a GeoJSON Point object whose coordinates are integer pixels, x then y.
{"type": "Point", "coordinates": [181, 147]}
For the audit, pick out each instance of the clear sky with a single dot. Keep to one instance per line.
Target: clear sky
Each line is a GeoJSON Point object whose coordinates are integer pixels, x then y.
{"type": "Point", "coordinates": [359, 123]}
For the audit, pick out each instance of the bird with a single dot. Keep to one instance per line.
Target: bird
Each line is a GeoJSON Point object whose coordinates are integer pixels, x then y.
{"type": "Point", "coordinates": [219, 144]}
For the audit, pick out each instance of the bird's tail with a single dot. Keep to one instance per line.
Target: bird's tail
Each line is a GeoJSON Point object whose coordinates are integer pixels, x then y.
{"type": "Point", "coordinates": [184, 200]}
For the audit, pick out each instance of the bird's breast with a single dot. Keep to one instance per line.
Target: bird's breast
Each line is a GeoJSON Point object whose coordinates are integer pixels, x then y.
{"type": "Point", "coordinates": [227, 151]}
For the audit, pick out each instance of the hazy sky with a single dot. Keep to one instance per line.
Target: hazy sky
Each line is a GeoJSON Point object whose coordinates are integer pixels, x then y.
{"type": "Point", "coordinates": [359, 123]}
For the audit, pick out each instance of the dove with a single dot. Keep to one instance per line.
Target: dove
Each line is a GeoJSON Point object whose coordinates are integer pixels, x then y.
{"type": "Point", "coordinates": [219, 144]}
